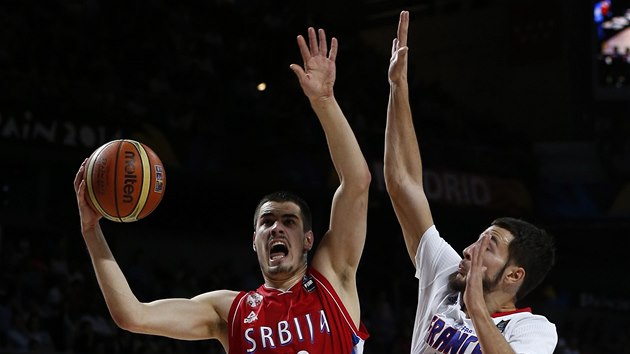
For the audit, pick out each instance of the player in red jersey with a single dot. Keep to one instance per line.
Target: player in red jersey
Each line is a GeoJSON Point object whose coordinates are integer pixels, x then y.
{"type": "Point", "coordinates": [300, 308]}
{"type": "Point", "coordinates": [465, 304]}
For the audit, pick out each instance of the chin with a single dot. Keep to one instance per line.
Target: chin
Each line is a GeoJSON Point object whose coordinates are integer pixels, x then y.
{"type": "Point", "coordinates": [279, 269]}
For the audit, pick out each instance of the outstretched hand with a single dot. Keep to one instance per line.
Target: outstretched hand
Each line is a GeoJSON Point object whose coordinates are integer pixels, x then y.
{"type": "Point", "coordinates": [398, 62]}
{"type": "Point", "coordinates": [317, 77]}
{"type": "Point", "coordinates": [89, 217]}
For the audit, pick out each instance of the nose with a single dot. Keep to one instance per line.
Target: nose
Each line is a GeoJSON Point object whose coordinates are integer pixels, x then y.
{"type": "Point", "coordinates": [277, 228]}
{"type": "Point", "coordinates": [466, 252]}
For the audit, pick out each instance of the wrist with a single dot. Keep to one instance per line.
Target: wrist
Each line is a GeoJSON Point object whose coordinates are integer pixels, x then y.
{"type": "Point", "coordinates": [322, 101]}
{"type": "Point", "coordinates": [89, 228]}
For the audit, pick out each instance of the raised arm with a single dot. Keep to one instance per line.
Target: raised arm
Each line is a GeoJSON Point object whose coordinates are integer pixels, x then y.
{"type": "Point", "coordinates": [340, 249]}
{"type": "Point", "coordinates": [403, 165]}
{"type": "Point", "coordinates": [202, 317]}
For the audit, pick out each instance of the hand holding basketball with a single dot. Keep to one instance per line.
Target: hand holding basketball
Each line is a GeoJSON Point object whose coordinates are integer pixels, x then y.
{"type": "Point", "coordinates": [89, 216]}
{"type": "Point", "coordinates": [124, 180]}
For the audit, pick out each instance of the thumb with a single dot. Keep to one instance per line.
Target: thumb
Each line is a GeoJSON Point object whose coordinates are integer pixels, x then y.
{"type": "Point", "coordinates": [299, 72]}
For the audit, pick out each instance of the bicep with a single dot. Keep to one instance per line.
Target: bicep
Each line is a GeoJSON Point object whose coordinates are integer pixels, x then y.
{"type": "Point", "coordinates": [414, 216]}
{"type": "Point", "coordinates": [341, 247]}
{"type": "Point", "coordinates": [202, 317]}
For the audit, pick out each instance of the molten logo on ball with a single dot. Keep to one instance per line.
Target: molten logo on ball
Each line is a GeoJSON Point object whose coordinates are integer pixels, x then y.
{"type": "Point", "coordinates": [130, 176]}
{"type": "Point", "coordinates": [125, 180]}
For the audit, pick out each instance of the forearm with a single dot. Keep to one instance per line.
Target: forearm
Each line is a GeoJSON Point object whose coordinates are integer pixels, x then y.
{"type": "Point", "coordinates": [122, 303]}
{"type": "Point", "coordinates": [403, 170]}
{"type": "Point", "coordinates": [344, 148]}
{"type": "Point", "coordinates": [491, 340]}
{"type": "Point", "coordinates": [402, 153]}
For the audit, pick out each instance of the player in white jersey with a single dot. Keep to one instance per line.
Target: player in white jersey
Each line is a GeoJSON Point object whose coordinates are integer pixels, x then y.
{"type": "Point", "coordinates": [465, 304]}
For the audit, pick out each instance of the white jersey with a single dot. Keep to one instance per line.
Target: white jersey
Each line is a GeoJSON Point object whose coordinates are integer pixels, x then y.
{"type": "Point", "coordinates": [442, 327]}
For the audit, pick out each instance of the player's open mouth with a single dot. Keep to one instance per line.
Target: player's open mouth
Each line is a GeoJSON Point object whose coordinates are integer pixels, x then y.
{"type": "Point", "coordinates": [278, 250]}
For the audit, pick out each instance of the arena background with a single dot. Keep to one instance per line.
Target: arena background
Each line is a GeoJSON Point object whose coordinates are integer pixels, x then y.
{"type": "Point", "coordinates": [518, 113]}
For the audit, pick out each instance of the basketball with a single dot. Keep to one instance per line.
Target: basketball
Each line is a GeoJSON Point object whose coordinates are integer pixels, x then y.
{"type": "Point", "coordinates": [125, 180]}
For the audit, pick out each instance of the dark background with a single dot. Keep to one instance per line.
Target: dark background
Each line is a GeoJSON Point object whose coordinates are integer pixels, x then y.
{"type": "Point", "coordinates": [515, 113]}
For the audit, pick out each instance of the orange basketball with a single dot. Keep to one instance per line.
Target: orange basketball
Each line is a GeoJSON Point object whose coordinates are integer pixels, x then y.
{"type": "Point", "coordinates": [125, 180]}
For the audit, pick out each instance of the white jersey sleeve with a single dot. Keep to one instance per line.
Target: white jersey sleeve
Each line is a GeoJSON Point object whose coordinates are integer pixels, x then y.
{"type": "Point", "coordinates": [435, 261]}
{"type": "Point", "coordinates": [529, 333]}
{"type": "Point", "coordinates": [435, 258]}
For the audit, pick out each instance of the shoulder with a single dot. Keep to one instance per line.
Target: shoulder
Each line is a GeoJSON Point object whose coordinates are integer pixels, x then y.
{"type": "Point", "coordinates": [433, 250]}
{"type": "Point", "coordinates": [528, 321]}
{"type": "Point", "coordinates": [313, 274]}
{"type": "Point", "coordinates": [430, 235]}
{"type": "Point", "coordinates": [220, 300]}
{"type": "Point", "coordinates": [314, 280]}
{"type": "Point", "coordinates": [217, 295]}
{"type": "Point", "coordinates": [528, 332]}
{"type": "Point", "coordinates": [527, 315]}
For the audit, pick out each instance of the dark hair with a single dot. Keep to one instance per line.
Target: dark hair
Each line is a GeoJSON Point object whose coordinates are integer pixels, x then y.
{"type": "Point", "coordinates": [532, 248]}
{"type": "Point", "coordinates": [284, 196]}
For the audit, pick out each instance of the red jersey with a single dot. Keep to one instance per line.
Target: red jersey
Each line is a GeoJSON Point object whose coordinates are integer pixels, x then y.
{"type": "Point", "coordinates": [309, 318]}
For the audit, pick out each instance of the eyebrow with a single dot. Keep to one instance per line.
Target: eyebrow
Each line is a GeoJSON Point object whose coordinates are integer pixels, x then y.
{"type": "Point", "coordinates": [290, 216]}
{"type": "Point", "coordinates": [284, 216]}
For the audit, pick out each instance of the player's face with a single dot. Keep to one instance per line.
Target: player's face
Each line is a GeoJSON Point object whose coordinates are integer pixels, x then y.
{"type": "Point", "coordinates": [495, 258]}
{"type": "Point", "coordinates": [279, 239]}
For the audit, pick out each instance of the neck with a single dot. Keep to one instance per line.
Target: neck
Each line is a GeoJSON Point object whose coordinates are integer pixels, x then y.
{"type": "Point", "coordinates": [499, 303]}
{"type": "Point", "coordinates": [495, 302]}
{"type": "Point", "coordinates": [279, 282]}
{"type": "Point", "coordinates": [504, 308]}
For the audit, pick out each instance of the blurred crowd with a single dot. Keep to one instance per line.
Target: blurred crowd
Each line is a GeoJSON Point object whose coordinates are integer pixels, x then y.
{"type": "Point", "coordinates": [50, 301]}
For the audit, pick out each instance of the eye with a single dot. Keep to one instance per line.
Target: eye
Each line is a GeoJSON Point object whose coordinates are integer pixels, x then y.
{"type": "Point", "coordinates": [290, 222]}
{"type": "Point", "coordinates": [266, 221]}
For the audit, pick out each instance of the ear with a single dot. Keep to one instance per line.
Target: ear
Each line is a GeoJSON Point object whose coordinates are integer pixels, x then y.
{"type": "Point", "coordinates": [254, 241]}
{"type": "Point", "coordinates": [309, 239]}
{"type": "Point", "coordinates": [515, 274]}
